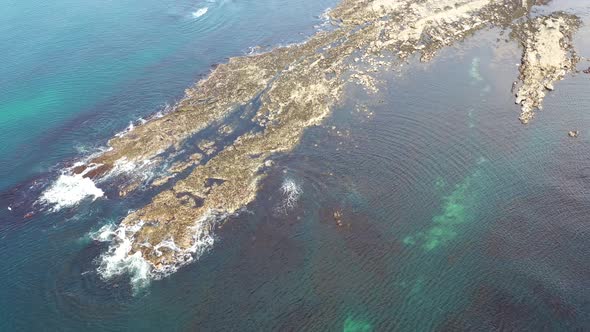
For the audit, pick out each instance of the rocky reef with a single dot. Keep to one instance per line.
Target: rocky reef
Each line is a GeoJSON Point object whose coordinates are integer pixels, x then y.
{"type": "Point", "coordinates": [547, 57]}
{"type": "Point", "coordinates": [281, 93]}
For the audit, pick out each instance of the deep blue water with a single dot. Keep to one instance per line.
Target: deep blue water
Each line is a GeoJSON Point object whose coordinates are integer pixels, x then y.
{"type": "Point", "coordinates": [454, 215]}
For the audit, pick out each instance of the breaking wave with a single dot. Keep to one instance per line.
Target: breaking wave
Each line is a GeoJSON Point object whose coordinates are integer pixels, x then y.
{"type": "Point", "coordinates": [118, 260]}
{"type": "Point", "coordinates": [68, 191]}
{"type": "Point", "coordinates": [127, 130]}
{"type": "Point", "coordinates": [326, 21]}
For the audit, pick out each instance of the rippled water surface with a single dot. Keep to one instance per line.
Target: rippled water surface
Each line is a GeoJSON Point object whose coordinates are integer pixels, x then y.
{"type": "Point", "coordinates": [427, 206]}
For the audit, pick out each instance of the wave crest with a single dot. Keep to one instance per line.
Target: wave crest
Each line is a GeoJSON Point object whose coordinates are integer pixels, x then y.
{"type": "Point", "coordinates": [118, 259]}
{"type": "Point", "coordinates": [68, 191]}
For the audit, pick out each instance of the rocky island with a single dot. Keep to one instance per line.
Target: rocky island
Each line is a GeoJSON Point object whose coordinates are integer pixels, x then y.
{"type": "Point", "coordinates": [270, 99]}
{"type": "Point", "coordinates": [548, 55]}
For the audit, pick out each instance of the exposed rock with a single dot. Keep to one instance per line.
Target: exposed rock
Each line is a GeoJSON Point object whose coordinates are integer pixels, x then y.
{"type": "Point", "coordinates": [547, 57]}
{"type": "Point", "coordinates": [573, 133]}
{"type": "Point", "coordinates": [126, 189]}
{"type": "Point", "coordinates": [208, 147]}
{"type": "Point", "coordinates": [290, 89]}
{"type": "Point", "coordinates": [338, 217]}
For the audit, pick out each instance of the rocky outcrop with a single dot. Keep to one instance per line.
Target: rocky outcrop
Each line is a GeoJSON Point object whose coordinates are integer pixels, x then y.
{"type": "Point", "coordinates": [548, 56]}
{"type": "Point", "coordinates": [289, 89]}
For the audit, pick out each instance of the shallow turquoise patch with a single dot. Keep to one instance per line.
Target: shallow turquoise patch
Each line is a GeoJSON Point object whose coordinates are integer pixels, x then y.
{"type": "Point", "coordinates": [455, 211]}
{"type": "Point", "coordinates": [356, 325]}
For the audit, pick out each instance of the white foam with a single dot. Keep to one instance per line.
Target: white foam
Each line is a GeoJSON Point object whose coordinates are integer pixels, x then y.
{"type": "Point", "coordinates": [254, 50]}
{"type": "Point", "coordinates": [142, 168]}
{"type": "Point", "coordinates": [203, 241]}
{"type": "Point", "coordinates": [68, 191]}
{"type": "Point", "coordinates": [326, 20]}
{"type": "Point", "coordinates": [141, 121]}
{"type": "Point", "coordinates": [118, 260]}
{"type": "Point", "coordinates": [127, 130]}
{"type": "Point", "coordinates": [202, 236]}
{"type": "Point", "coordinates": [291, 192]}
{"type": "Point", "coordinates": [123, 166]}
{"type": "Point", "coordinates": [168, 244]}
{"type": "Point", "coordinates": [200, 12]}
{"type": "Point", "coordinates": [104, 234]}
{"type": "Point", "coordinates": [82, 149]}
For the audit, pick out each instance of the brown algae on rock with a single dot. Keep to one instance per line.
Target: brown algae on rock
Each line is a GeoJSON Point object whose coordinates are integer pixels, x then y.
{"type": "Point", "coordinates": [290, 89]}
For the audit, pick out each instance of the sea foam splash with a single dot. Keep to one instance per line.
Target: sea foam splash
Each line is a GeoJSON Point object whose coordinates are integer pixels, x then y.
{"type": "Point", "coordinates": [291, 192]}
{"type": "Point", "coordinates": [118, 259]}
{"type": "Point", "coordinates": [127, 130]}
{"type": "Point", "coordinates": [326, 21]}
{"type": "Point", "coordinates": [200, 12]}
{"type": "Point", "coordinates": [68, 191]}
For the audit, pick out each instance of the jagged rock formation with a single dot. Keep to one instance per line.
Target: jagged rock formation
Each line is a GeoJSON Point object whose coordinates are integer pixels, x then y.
{"type": "Point", "coordinates": [547, 57]}
{"type": "Point", "coordinates": [280, 93]}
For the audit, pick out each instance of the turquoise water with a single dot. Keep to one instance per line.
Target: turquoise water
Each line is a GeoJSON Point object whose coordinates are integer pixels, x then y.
{"type": "Point", "coordinates": [73, 73]}
{"type": "Point", "coordinates": [454, 217]}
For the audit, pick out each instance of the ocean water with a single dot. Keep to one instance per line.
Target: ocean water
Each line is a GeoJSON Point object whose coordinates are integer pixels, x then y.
{"type": "Point", "coordinates": [425, 207]}
{"type": "Point", "coordinates": [73, 74]}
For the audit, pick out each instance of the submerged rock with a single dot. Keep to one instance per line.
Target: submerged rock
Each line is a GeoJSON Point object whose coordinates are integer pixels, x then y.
{"type": "Point", "coordinates": [338, 217]}
{"type": "Point", "coordinates": [356, 325]}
